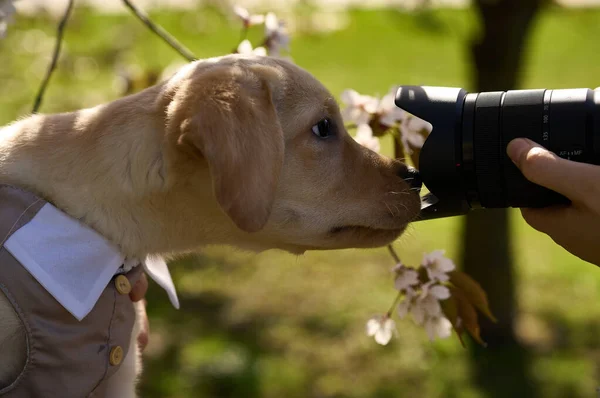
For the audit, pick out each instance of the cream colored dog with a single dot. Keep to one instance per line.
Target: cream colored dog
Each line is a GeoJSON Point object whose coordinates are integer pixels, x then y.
{"type": "Point", "coordinates": [245, 151]}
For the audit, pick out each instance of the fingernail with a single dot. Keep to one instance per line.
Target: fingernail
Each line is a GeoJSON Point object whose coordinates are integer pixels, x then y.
{"type": "Point", "coordinates": [517, 147]}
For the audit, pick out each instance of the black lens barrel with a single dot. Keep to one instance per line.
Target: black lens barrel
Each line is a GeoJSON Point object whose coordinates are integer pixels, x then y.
{"type": "Point", "coordinates": [564, 121]}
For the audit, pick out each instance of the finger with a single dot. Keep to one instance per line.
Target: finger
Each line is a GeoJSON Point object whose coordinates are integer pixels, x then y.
{"type": "Point", "coordinates": [577, 181]}
{"type": "Point", "coordinates": [549, 220]}
{"type": "Point", "coordinates": [571, 228]}
{"type": "Point", "coordinates": [562, 224]}
{"type": "Point", "coordinates": [138, 291]}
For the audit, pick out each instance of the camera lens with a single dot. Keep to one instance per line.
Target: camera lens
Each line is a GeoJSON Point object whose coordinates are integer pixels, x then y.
{"type": "Point", "coordinates": [464, 163]}
{"type": "Point", "coordinates": [563, 121]}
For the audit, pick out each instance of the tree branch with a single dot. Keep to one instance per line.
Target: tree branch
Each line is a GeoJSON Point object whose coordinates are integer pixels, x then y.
{"type": "Point", "coordinates": [394, 255]}
{"type": "Point", "coordinates": [55, 56]}
{"type": "Point", "coordinates": [170, 40]}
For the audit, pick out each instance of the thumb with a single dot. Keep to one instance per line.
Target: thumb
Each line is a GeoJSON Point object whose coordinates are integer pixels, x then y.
{"type": "Point", "coordinates": [572, 179]}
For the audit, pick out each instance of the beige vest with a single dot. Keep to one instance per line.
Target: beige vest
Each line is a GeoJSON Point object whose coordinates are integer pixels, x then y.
{"type": "Point", "coordinates": [66, 358]}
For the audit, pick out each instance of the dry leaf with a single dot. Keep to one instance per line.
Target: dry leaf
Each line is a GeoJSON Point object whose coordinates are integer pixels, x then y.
{"type": "Point", "coordinates": [467, 314]}
{"type": "Point", "coordinates": [473, 291]}
{"type": "Point", "coordinates": [450, 310]}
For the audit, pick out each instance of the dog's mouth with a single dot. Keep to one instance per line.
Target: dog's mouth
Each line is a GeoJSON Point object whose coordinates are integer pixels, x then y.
{"type": "Point", "coordinates": [362, 229]}
{"type": "Point", "coordinates": [365, 237]}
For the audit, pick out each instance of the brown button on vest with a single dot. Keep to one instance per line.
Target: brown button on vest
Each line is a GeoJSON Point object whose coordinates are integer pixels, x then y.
{"type": "Point", "coordinates": [66, 358]}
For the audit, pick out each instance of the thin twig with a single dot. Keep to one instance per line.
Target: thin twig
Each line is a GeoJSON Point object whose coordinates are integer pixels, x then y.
{"type": "Point", "coordinates": [55, 56]}
{"type": "Point", "coordinates": [396, 301]}
{"type": "Point", "coordinates": [170, 40]}
{"type": "Point", "coordinates": [394, 255]}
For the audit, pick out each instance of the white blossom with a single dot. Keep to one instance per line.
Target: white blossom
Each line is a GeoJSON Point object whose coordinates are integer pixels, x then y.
{"type": "Point", "coordinates": [405, 277]}
{"type": "Point", "coordinates": [7, 9]}
{"type": "Point", "coordinates": [427, 304]}
{"type": "Point", "coordinates": [438, 326]}
{"type": "Point", "coordinates": [245, 47]}
{"type": "Point", "coordinates": [438, 265]}
{"type": "Point", "coordinates": [382, 328]}
{"type": "Point", "coordinates": [362, 108]}
{"type": "Point", "coordinates": [405, 305]}
{"type": "Point", "coordinates": [389, 113]}
{"type": "Point", "coordinates": [411, 129]}
{"type": "Point", "coordinates": [277, 36]}
{"type": "Point", "coordinates": [359, 108]}
{"type": "Point", "coordinates": [247, 18]}
{"type": "Point", "coordinates": [364, 136]}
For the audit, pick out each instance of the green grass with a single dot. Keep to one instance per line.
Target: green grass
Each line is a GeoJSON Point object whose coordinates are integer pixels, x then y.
{"type": "Point", "coordinates": [274, 325]}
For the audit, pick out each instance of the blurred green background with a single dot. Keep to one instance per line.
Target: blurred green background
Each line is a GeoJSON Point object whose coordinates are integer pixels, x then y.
{"type": "Point", "coordinates": [276, 325]}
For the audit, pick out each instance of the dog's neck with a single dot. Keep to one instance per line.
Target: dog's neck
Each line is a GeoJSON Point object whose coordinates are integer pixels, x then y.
{"type": "Point", "coordinates": [112, 178]}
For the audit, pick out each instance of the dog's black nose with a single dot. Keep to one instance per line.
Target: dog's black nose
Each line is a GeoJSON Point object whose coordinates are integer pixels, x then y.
{"type": "Point", "coordinates": [411, 176]}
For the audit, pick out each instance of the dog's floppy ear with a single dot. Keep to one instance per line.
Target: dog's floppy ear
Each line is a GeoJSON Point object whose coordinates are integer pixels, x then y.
{"type": "Point", "coordinates": [232, 123]}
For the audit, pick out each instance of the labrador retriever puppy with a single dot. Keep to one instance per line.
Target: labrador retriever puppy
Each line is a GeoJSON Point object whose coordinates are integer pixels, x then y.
{"type": "Point", "coordinates": [238, 150]}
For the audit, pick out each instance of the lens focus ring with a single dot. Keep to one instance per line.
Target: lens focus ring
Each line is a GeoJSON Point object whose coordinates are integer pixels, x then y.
{"type": "Point", "coordinates": [522, 116]}
{"type": "Point", "coordinates": [487, 145]}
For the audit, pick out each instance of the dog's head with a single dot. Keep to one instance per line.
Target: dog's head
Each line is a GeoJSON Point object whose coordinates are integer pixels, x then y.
{"type": "Point", "coordinates": [281, 166]}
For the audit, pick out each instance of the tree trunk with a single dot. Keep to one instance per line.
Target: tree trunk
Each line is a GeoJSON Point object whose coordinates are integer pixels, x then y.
{"type": "Point", "coordinates": [497, 53]}
{"type": "Point", "coordinates": [501, 369]}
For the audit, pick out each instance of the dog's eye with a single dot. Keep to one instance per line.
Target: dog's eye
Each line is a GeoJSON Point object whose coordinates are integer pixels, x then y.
{"type": "Point", "coordinates": [323, 129]}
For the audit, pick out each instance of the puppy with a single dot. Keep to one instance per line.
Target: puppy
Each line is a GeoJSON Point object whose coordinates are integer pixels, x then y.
{"type": "Point", "coordinates": [237, 150]}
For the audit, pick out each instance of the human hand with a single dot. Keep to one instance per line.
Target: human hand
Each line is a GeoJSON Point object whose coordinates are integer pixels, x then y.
{"type": "Point", "coordinates": [575, 227]}
{"type": "Point", "coordinates": [138, 292]}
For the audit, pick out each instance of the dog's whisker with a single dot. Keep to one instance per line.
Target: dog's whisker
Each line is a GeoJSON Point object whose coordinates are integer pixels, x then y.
{"type": "Point", "coordinates": [398, 193]}
{"type": "Point", "coordinates": [390, 210]}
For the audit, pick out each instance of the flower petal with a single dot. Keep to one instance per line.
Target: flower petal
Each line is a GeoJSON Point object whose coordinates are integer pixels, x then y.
{"type": "Point", "coordinates": [271, 23]}
{"type": "Point", "coordinates": [389, 324]}
{"type": "Point", "coordinates": [437, 276]}
{"type": "Point", "coordinates": [440, 292]}
{"type": "Point", "coordinates": [350, 97]}
{"type": "Point", "coordinates": [385, 333]}
{"type": "Point", "coordinates": [403, 308]}
{"type": "Point", "coordinates": [245, 47]}
{"type": "Point", "coordinates": [430, 305]}
{"type": "Point", "coordinates": [260, 51]}
{"type": "Point", "coordinates": [373, 325]}
{"type": "Point", "coordinates": [417, 125]}
{"type": "Point", "coordinates": [363, 138]}
{"type": "Point", "coordinates": [386, 104]}
{"type": "Point", "coordinates": [241, 12]}
{"type": "Point", "coordinates": [406, 278]}
{"type": "Point", "coordinates": [383, 336]}
{"type": "Point", "coordinates": [387, 120]}
{"type": "Point", "coordinates": [446, 265]}
{"type": "Point", "coordinates": [430, 329]}
{"type": "Point", "coordinates": [370, 104]}
{"type": "Point", "coordinates": [256, 19]}
{"type": "Point", "coordinates": [444, 328]}
{"type": "Point", "coordinates": [430, 258]}
{"type": "Point", "coordinates": [364, 131]}
{"type": "Point", "coordinates": [438, 327]}
{"type": "Point", "coordinates": [418, 313]}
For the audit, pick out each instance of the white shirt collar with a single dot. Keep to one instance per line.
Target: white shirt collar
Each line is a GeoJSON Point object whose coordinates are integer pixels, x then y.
{"type": "Point", "coordinates": [73, 262]}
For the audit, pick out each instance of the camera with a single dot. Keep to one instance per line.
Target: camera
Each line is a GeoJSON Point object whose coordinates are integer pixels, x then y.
{"type": "Point", "coordinates": [463, 162]}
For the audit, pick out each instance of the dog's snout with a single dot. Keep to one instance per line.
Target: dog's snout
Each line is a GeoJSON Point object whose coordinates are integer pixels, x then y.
{"type": "Point", "coordinates": [411, 176]}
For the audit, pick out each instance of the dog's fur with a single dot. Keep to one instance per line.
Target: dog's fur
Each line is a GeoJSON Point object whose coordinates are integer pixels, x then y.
{"type": "Point", "coordinates": [221, 153]}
